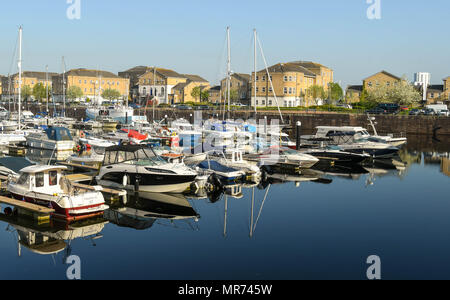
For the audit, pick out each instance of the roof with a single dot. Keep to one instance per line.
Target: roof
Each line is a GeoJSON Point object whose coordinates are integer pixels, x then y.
{"type": "Point", "coordinates": [180, 86]}
{"type": "Point", "coordinates": [436, 87]}
{"type": "Point", "coordinates": [385, 73]}
{"type": "Point", "coordinates": [215, 88]}
{"type": "Point", "coordinates": [138, 69]}
{"type": "Point", "coordinates": [41, 168]}
{"type": "Point", "coordinates": [38, 75]}
{"type": "Point", "coordinates": [309, 64]}
{"type": "Point", "coordinates": [242, 76]}
{"type": "Point", "coordinates": [164, 73]}
{"type": "Point", "coordinates": [127, 148]}
{"type": "Point", "coordinates": [91, 73]}
{"type": "Point", "coordinates": [195, 78]}
{"type": "Point", "coordinates": [358, 88]}
{"type": "Point", "coordinates": [289, 67]}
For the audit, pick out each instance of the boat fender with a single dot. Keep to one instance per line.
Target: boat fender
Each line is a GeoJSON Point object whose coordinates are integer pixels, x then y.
{"type": "Point", "coordinates": [136, 183]}
{"type": "Point", "coordinates": [125, 180]}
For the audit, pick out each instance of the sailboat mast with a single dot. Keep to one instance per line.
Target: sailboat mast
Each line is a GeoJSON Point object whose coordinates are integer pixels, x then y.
{"type": "Point", "coordinates": [64, 87]}
{"type": "Point", "coordinates": [228, 71]}
{"type": "Point", "coordinates": [255, 53]}
{"type": "Point", "coordinates": [20, 73]}
{"type": "Point", "coordinates": [46, 85]}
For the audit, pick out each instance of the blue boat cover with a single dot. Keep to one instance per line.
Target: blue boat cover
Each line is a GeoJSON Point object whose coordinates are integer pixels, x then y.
{"type": "Point", "coordinates": [215, 166]}
{"type": "Point", "coordinates": [58, 134]}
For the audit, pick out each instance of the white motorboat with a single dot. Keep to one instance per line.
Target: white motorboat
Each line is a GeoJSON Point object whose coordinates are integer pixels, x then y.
{"type": "Point", "coordinates": [139, 168]}
{"type": "Point", "coordinates": [8, 126]}
{"type": "Point", "coordinates": [47, 186]}
{"type": "Point", "coordinates": [280, 155]}
{"type": "Point", "coordinates": [53, 138]}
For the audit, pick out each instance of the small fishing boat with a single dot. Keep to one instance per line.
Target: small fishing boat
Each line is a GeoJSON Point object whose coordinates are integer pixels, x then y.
{"type": "Point", "coordinates": [47, 186]}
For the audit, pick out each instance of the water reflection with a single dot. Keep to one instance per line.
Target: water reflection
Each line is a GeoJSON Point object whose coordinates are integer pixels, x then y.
{"type": "Point", "coordinates": [51, 238]}
{"type": "Point", "coordinates": [141, 211]}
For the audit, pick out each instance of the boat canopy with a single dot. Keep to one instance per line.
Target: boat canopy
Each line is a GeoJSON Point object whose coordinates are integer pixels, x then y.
{"type": "Point", "coordinates": [58, 134]}
{"type": "Point", "coordinates": [123, 153]}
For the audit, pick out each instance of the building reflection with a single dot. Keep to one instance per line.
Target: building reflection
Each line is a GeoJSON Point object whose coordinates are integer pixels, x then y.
{"type": "Point", "coordinates": [445, 165]}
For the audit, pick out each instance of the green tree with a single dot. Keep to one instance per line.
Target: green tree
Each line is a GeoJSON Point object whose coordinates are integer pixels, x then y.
{"type": "Point", "coordinates": [74, 92]}
{"type": "Point", "coordinates": [27, 92]}
{"type": "Point", "coordinates": [205, 96]}
{"type": "Point", "coordinates": [39, 92]}
{"type": "Point", "coordinates": [196, 92]}
{"type": "Point", "coordinates": [317, 92]}
{"type": "Point", "coordinates": [336, 92]}
{"type": "Point", "coordinates": [402, 93]}
{"type": "Point", "coordinates": [111, 94]}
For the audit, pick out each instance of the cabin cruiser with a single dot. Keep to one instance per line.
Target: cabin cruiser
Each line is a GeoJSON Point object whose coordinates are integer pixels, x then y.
{"type": "Point", "coordinates": [53, 138]}
{"type": "Point", "coordinates": [120, 114]}
{"type": "Point", "coordinates": [4, 113]}
{"type": "Point", "coordinates": [335, 154]}
{"type": "Point", "coordinates": [237, 162]}
{"type": "Point", "coordinates": [374, 149]}
{"type": "Point", "coordinates": [7, 126]}
{"type": "Point", "coordinates": [281, 155]}
{"type": "Point", "coordinates": [346, 134]}
{"type": "Point", "coordinates": [47, 186]}
{"type": "Point", "coordinates": [139, 168]}
{"type": "Point", "coordinates": [222, 172]}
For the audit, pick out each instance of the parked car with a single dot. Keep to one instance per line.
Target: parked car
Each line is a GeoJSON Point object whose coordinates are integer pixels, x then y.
{"type": "Point", "coordinates": [184, 107]}
{"type": "Point", "coordinates": [444, 112]}
{"type": "Point", "coordinates": [390, 108]}
{"type": "Point", "coordinates": [376, 111]}
{"type": "Point", "coordinates": [429, 112]}
{"type": "Point", "coordinates": [202, 107]}
{"type": "Point", "coordinates": [415, 112]}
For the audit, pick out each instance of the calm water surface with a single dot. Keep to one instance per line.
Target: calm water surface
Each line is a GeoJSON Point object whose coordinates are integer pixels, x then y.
{"type": "Point", "coordinates": [323, 227]}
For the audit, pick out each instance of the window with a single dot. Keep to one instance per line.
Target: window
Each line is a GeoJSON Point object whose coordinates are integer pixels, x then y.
{"type": "Point", "coordinates": [39, 179]}
{"type": "Point", "coordinates": [270, 90]}
{"type": "Point", "coordinates": [257, 78]}
{"type": "Point", "coordinates": [270, 102]}
{"type": "Point", "coordinates": [23, 179]}
{"type": "Point", "coordinates": [52, 178]}
{"type": "Point", "coordinates": [256, 102]}
{"type": "Point", "coordinates": [264, 78]}
{"type": "Point", "coordinates": [285, 90]}
{"type": "Point", "coordinates": [263, 89]}
{"type": "Point", "coordinates": [285, 78]}
{"type": "Point", "coordinates": [79, 81]}
{"type": "Point", "coordinates": [264, 102]}
{"type": "Point", "coordinates": [290, 90]}
{"type": "Point", "coordinates": [257, 89]}
{"type": "Point", "coordinates": [369, 84]}
{"type": "Point", "coordinates": [290, 78]}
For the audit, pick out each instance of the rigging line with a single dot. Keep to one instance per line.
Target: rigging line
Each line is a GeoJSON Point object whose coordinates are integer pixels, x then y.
{"type": "Point", "coordinates": [14, 55]}
{"type": "Point", "coordinates": [270, 80]}
{"type": "Point", "coordinates": [261, 208]}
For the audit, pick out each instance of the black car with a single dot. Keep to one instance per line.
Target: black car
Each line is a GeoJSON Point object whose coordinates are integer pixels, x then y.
{"type": "Point", "coordinates": [376, 111]}
{"type": "Point", "coordinates": [389, 108]}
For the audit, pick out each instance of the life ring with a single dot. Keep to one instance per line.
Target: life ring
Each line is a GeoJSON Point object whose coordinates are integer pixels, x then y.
{"type": "Point", "coordinates": [82, 135]}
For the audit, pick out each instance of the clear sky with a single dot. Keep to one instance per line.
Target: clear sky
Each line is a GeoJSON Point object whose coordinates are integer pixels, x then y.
{"type": "Point", "coordinates": [190, 36]}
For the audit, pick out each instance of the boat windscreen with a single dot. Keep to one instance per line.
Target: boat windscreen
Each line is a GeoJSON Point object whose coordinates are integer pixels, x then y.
{"type": "Point", "coordinates": [117, 156]}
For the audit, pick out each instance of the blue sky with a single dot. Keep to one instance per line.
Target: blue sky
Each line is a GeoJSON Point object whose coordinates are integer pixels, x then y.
{"type": "Point", "coordinates": [189, 36]}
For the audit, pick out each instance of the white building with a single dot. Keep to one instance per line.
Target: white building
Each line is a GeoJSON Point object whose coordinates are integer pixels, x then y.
{"type": "Point", "coordinates": [423, 79]}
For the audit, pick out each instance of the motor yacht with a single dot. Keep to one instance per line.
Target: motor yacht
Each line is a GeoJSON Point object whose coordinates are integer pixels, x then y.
{"type": "Point", "coordinates": [139, 168]}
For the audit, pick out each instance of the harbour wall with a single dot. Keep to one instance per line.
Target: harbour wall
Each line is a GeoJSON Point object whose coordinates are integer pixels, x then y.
{"type": "Point", "coordinates": [409, 125]}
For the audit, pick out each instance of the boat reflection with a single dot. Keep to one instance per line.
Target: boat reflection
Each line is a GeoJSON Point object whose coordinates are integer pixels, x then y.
{"type": "Point", "coordinates": [143, 210]}
{"type": "Point", "coordinates": [52, 238]}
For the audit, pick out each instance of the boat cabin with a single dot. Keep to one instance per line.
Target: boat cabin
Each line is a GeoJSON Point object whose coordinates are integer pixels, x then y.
{"type": "Point", "coordinates": [58, 134]}
{"type": "Point", "coordinates": [43, 179]}
{"type": "Point", "coordinates": [342, 133]}
{"type": "Point", "coordinates": [132, 154]}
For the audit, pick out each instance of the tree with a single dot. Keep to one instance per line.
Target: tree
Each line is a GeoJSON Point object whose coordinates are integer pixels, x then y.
{"type": "Point", "coordinates": [39, 92]}
{"type": "Point", "coordinates": [111, 94]}
{"type": "Point", "coordinates": [317, 92]}
{"type": "Point", "coordinates": [196, 92]}
{"type": "Point", "coordinates": [402, 93]}
{"type": "Point", "coordinates": [205, 96]}
{"type": "Point", "coordinates": [336, 92]}
{"type": "Point", "coordinates": [74, 92]}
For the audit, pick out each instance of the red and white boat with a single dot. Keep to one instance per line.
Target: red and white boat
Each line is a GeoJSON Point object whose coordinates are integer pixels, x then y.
{"type": "Point", "coordinates": [47, 186]}
{"type": "Point", "coordinates": [135, 137]}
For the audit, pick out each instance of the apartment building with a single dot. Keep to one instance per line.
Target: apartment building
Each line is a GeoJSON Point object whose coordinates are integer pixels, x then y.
{"type": "Point", "coordinates": [29, 79]}
{"type": "Point", "coordinates": [240, 83]}
{"type": "Point", "coordinates": [133, 75]}
{"type": "Point", "coordinates": [159, 82]}
{"type": "Point", "coordinates": [291, 84]}
{"type": "Point", "coordinates": [182, 92]}
{"type": "Point", "coordinates": [91, 82]}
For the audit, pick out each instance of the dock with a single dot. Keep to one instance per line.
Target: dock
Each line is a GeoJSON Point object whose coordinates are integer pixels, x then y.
{"type": "Point", "coordinates": [78, 166]}
{"type": "Point", "coordinates": [113, 194]}
{"type": "Point", "coordinates": [37, 212]}
{"type": "Point", "coordinates": [77, 178]}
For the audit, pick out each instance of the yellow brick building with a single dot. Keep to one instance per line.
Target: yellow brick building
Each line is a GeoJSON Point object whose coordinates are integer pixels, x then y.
{"type": "Point", "coordinates": [215, 94]}
{"type": "Point", "coordinates": [29, 79]}
{"type": "Point", "coordinates": [159, 82]}
{"type": "Point", "coordinates": [447, 88]}
{"type": "Point", "coordinates": [182, 91]}
{"type": "Point", "coordinates": [382, 78]}
{"type": "Point", "coordinates": [92, 83]}
{"type": "Point", "coordinates": [239, 82]}
{"type": "Point", "coordinates": [291, 84]}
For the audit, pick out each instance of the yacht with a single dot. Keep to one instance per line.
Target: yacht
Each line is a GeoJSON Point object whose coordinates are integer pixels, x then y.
{"type": "Point", "coordinates": [282, 155]}
{"type": "Point", "coordinates": [139, 168]}
{"type": "Point", "coordinates": [121, 114]}
{"type": "Point", "coordinates": [348, 134]}
{"type": "Point", "coordinates": [335, 154]}
{"type": "Point", "coordinates": [53, 138]}
{"type": "Point", "coordinates": [374, 149]}
{"type": "Point", "coordinates": [47, 186]}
